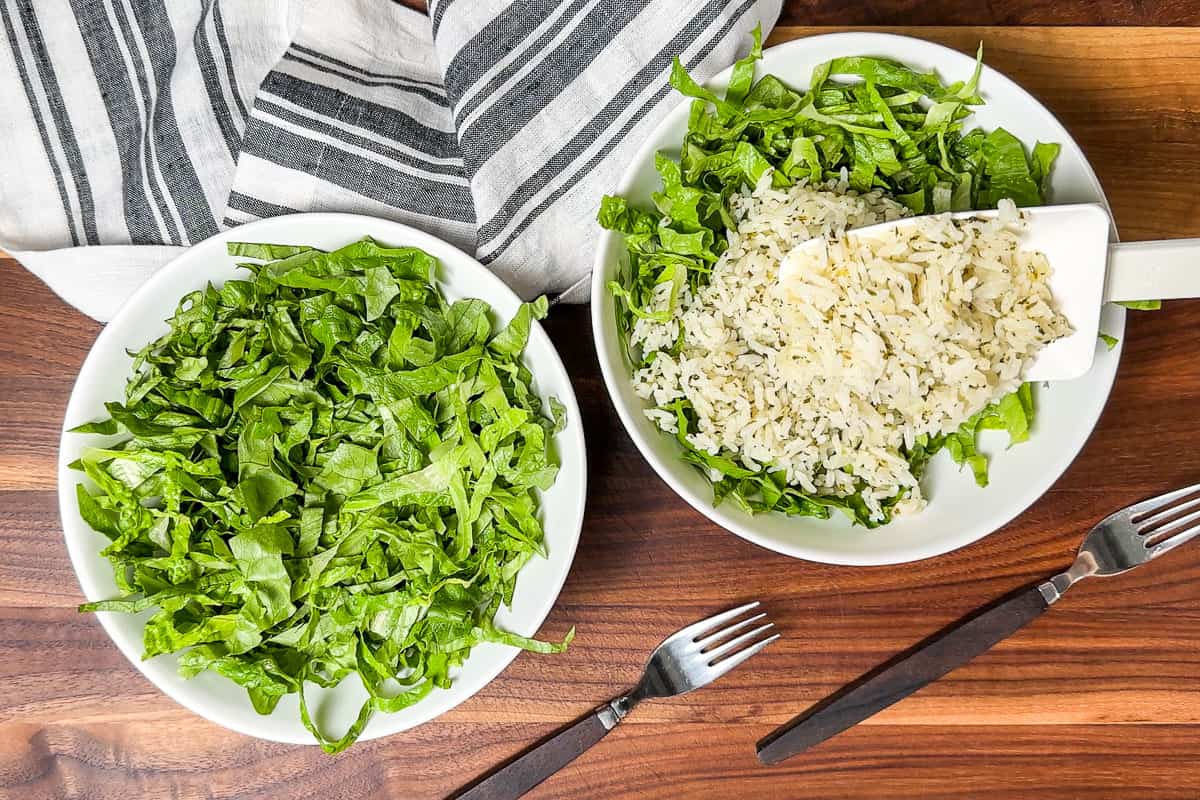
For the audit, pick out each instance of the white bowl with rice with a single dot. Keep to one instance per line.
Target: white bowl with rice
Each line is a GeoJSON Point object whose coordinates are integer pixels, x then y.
{"type": "Point", "coordinates": [946, 510]}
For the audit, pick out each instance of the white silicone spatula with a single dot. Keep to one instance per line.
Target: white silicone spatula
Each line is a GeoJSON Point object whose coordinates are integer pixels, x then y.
{"type": "Point", "coordinates": [1087, 271]}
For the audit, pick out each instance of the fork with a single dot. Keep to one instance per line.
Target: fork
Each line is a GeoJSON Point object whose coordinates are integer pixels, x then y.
{"type": "Point", "coordinates": [692, 657]}
{"type": "Point", "coordinates": [1124, 540]}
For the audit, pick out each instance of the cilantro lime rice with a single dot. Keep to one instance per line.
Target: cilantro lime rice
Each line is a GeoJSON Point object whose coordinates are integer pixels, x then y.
{"type": "Point", "coordinates": [828, 367]}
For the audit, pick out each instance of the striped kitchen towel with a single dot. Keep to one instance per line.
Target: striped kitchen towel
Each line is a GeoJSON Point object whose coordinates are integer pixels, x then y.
{"type": "Point", "coordinates": [133, 127]}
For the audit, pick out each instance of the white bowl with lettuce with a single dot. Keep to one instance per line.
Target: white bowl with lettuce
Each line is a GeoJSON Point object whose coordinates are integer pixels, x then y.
{"type": "Point", "coordinates": [340, 472]}
{"type": "Point", "coordinates": [959, 510]}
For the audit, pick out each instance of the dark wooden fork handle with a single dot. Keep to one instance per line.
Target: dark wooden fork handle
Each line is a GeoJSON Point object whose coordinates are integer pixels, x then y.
{"type": "Point", "coordinates": [540, 761]}
{"type": "Point", "coordinates": [923, 664]}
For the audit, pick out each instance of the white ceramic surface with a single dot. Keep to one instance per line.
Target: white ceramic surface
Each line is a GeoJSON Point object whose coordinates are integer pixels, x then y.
{"type": "Point", "coordinates": [103, 377]}
{"type": "Point", "coordinates": [959, 512]}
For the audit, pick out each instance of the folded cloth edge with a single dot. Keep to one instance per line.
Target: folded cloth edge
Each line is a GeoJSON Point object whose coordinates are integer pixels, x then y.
{"type": "Point", "coordinates": [114, 273]}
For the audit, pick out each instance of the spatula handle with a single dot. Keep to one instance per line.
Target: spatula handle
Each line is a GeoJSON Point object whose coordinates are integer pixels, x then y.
{"type": "Point", "coordinates": [1160, 270]}
{"type": "Point", "coordinates": [931, 659]}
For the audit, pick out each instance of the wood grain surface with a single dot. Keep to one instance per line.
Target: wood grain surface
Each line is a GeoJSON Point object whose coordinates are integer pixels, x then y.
{"type": "Point", "coordinates": [1097, 699]}
{"type": "Point", "coordinates": [979, 12]}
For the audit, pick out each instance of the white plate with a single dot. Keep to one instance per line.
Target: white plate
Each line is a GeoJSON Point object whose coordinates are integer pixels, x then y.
{"type": "Point", "coordinates": [103, 377]}
{"type": "Point", "coordinates": [958, 512]}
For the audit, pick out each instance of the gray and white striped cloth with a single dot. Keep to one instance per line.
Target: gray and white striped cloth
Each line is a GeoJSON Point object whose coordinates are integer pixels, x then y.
{"type": "Point", "coordinates": [135, 127]}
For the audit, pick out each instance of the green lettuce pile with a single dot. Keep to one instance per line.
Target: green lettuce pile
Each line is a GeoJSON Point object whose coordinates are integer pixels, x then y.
{"type": "Point", "coordinates": [890, 128]}
{"type": "Point", "coordinates": [325, 469]}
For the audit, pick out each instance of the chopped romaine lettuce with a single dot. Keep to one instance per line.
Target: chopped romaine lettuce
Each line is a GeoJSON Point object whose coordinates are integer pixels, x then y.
{"type": "Point", "coordinates": [328, 468]}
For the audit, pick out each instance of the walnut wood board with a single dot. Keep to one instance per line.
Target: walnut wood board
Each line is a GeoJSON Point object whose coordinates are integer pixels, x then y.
{"type": "Point", "coordinates": [1099, 698]}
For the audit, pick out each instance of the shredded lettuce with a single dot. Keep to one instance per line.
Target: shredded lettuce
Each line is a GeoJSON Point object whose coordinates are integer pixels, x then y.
{"type": "Point", "coordinates": [327, 469]}
{"type": "Point", "coordinates": [1012, 413]}
{"type": "Point", "coordinates": [1142, 305]}
{"type": "Point", "coordinates": [892, 128]}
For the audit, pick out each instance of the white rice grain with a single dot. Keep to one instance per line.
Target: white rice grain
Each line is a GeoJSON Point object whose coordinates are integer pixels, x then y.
{"type": "Point", "coordinates": [828, 366]}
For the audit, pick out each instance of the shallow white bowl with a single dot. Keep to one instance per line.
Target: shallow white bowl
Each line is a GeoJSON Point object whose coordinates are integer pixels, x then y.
{"type": "Point", "coordinates": [958, 512]}
{"type": "Point", "coordinates": [103, 377]}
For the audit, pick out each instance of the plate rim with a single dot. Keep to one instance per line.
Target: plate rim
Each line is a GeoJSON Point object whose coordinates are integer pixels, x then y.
{"type": "Point", "coordinates": [79, 552]}
{"type": "Point", "coordinates": [736, 523]}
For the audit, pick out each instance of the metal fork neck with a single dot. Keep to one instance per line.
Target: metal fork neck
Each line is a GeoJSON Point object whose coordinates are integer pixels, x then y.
{"type": "Point", "coordinates": [1054, 588]}
{"type": "Point", "coordinates": [617, 709]}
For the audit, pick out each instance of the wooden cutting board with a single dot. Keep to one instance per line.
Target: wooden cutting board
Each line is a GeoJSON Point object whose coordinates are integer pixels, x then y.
{"type": "Point", "coordinates": [1100, 698]}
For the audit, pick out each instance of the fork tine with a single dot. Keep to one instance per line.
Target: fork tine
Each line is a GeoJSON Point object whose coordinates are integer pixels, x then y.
{"type": "Point", "coordinates": [1146, 524]}
{"type": "Point", "coordinates": [1174, 540]}
{"type": "Point", "coordinates": [736, 642]}
{"type": "Point", "coordinates": [721, 667]}
{"type": "Point", "coordinates": [728, 631]}
{"type": "Point", "coordinates": [1173, 527]}
{"type": "Point", "coordinates": [698, 629]}
{"type": "Point", "coordinates": [1162, 501]}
